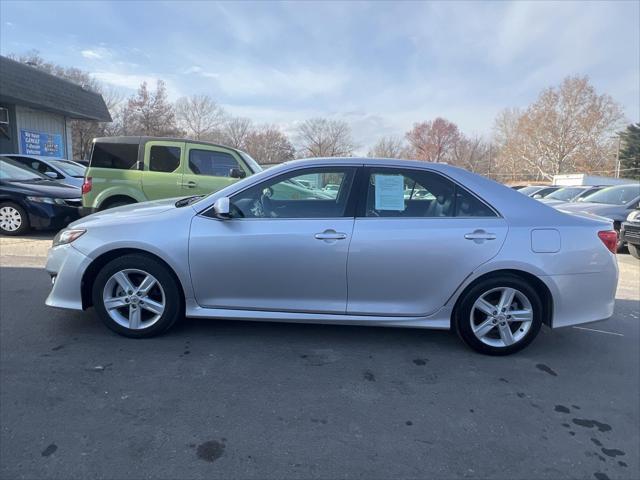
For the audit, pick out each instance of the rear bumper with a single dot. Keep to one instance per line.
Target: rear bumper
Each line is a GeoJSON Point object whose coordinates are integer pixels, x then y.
{"type": "Point", "coordinates": [66, 266]}
{"type": "Point", "coordinates": [582, 298]}
{"type": "Point", "coordinates": [630, 233]}
{"type": "Point", "coordinates": [84, 211]}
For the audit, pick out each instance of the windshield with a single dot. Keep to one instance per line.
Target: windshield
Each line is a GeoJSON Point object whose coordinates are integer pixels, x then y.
{"type": "Point", "coordinates": [619, 195]}
{"type": "Point", "coordinates": [566, 194]}
{"type": "Point", "coordinates": [529, 190]}
{"type": "Point", "coordinates": [12, 171]}
{"type": "Point", "coordinates": [253, 165]}
{"type": "Point", "coordinates": [71, 169]}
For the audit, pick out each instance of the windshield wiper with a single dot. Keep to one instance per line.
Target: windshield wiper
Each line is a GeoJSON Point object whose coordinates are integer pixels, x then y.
{"type": "Point", "coordinates": [183, 202]}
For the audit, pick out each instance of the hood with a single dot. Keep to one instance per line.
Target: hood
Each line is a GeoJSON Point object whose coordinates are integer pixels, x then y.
{"type": "Point", "coordinates": [44, 188]}
{"type": "Point", "coordinates": [128, 213]}
{"type": "Point", "coordinates": [614, 212]}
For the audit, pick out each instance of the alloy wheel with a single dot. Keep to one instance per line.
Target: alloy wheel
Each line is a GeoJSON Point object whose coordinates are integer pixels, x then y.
{"type": "Point", "coordinates": [10, 219]}
{"type": "Point", "coordinates": [501, 317]}
{"type": "Point", "coordinates": [134, 299]}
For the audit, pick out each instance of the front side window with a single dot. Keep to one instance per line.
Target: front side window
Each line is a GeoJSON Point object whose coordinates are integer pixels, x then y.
{"type": "Point", "coordinates": [37, 165]}
{"type": "Point", "coordinates": [212, 163]}
{"type": "Point", "coordinates": [417, 193]}
{"type": "Point", "coordinates": [122, 156]}
{"type": "Point", "coordinates": [163, 158]}
{"type": "Point", "coordinates": [297, 195]}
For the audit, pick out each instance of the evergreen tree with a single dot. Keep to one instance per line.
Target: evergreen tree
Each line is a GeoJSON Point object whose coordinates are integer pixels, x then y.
{"type": "Point", "coordinates": [630, 152]}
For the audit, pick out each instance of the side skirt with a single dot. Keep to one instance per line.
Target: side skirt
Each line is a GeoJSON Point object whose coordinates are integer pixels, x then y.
{"type": "Point", "coordinates": [439, 320]}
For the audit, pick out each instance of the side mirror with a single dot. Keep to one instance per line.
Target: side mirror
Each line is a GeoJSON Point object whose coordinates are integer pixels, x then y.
{"type": "Point", "coordinates": [237, 173]}
{"type": "Point", "coordinates": [537, 196]}
{"type": "Point", "coordinates": [222, 208]}
{"type": "Point", "coordinates": [51, 174]}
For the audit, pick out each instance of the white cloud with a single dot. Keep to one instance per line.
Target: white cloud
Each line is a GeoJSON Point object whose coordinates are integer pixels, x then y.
{"type": "Point", "coordinates": [91, 54]}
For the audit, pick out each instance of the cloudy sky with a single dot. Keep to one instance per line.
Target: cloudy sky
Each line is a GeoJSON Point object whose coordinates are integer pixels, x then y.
{"type": "Point", "coordinates": [380, 66]}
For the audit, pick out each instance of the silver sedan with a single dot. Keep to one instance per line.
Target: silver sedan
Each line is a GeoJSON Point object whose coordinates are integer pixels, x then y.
{"type": "Point", "coordinates": [469, 255]}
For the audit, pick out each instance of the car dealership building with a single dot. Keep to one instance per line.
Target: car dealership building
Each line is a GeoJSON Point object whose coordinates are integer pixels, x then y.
{"type": "Point", "coordinates": [36, 110]}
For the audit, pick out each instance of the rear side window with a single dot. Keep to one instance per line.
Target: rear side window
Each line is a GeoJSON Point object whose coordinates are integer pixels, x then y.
{"type": "Point", "coordinates": [417, 193]}
{"type": "Point", "coordinates": [123, 156]}
{"type": "Point", "coordinates": [163, 158]}
{"type": "Point", "coordinates": [215, 164]}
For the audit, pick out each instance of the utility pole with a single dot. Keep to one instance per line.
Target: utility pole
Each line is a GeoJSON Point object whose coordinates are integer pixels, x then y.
{"type": "Point", "coordinates": [618, 159]}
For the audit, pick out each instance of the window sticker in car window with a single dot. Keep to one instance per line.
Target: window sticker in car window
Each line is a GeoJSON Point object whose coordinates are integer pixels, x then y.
{"type": "Point", "coordinates": [389, 192]}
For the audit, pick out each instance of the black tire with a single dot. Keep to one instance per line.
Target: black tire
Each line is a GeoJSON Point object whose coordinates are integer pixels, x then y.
{"type": "Point", "coordinates": [621, 243]}
{"type": "Point", "coordinates": [173, 303]}
{"type": "Point", "coordinates": [634, 250]}
{"type": "Point", "coordinates": [24, 219]}
{"type": "Point", "coordinates": [463, 322]}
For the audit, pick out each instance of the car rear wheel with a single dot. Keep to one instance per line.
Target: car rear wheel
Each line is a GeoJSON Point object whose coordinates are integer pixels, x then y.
{"type": "Point", "coordinates": [13, 219]}
{"type": "Point", "coordinates": [634, 250]}
{"type": "Point", "coordinates": [137, 296]}
{"type": "Point", "coordinates": [499, 315]}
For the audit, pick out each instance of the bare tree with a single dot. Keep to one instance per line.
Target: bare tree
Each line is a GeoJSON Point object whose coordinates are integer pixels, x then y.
{"type": "Point", "coordinates": [234, 132]}
{"type": "Point", "coordinates": [320, 137]}
{"type": "Point", "coordinates": [433, 141]}
{"type": "Point", "coordinates": [473, 154]}
{"type": "Point", "coordinates": [199, 116]}
{"type": "Point", "coordinates": [150, 113]}
{"type": "Point", "coordinates": [269, 146]}
{"type": "Point", "coordinates": [390, 147]}
{"type": "Point", "coordinates": [567, 128]}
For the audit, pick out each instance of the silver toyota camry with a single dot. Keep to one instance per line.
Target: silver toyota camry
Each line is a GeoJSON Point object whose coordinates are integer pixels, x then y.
{"type": "Point", "coordinates": [391, 243]}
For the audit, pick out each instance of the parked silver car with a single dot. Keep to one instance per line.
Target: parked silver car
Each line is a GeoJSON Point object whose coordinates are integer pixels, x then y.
{"type": "Point", "coordinates": [473, 255]}
{"type": "Point", "coordinates": [60, 169]}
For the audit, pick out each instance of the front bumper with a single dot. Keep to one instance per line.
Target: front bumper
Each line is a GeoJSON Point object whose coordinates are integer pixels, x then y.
{"type": "Point", "coordinates": [630, 232]}
{"type": "Point", "coordinates": [66, 266]}
{"type": "Point", "coordinates": [49, 217]}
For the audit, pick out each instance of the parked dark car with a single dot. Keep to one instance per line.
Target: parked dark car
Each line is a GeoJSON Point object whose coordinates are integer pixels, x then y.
{"type": "Point", "coordinates": [29, 199]}
{"type": "Point", "coordinates": [614, 203]}
{"type": "Point", "coordinates": [630, 233]}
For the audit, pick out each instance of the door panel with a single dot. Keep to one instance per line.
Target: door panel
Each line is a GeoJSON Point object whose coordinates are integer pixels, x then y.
{"type": "Point", "coordinates": [162, 177]}
{"type": "Point", "coordinates": [270, 264]}
{"type": "Point", "coordinates": [412, 266]}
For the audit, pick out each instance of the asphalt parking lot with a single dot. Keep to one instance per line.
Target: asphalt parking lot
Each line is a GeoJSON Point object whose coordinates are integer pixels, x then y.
{"type": "Point", "coordinates": [223, 399]}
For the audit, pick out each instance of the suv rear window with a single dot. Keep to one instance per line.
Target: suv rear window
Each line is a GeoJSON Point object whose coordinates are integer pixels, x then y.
{"type": "Point", "coordinates": [123, 156]}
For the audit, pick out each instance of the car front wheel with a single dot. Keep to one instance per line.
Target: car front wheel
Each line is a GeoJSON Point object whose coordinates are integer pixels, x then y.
{"type": "Point", "coordinates": [13, 219]}
{"type": "Point", "coordinates": [137, 296]}
{"type": "Point", "coordinates": [499, 315]}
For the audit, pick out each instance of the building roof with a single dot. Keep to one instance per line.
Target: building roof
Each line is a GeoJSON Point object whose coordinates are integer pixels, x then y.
{"type": "Point", "coordinates": [25, 85]}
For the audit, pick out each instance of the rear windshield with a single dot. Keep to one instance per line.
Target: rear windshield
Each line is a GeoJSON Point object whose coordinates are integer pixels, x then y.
{"type": "Point", "coordinates": [123, 156]}
{"type": "Point", "coordinates": [566, 193]}
{"type": "Point", "coordinates": [620, 195]}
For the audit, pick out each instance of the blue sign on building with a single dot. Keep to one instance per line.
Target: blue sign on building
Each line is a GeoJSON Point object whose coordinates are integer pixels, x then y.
{"type": "Point", "coordinates": [40, 143]}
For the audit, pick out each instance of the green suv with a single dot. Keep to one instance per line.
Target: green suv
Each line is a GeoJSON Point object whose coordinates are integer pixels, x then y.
{"type": "Point", "coordinates": [125, 170]}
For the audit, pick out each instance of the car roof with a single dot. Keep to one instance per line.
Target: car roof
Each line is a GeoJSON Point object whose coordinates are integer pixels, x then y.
{"type": "Point", "coordinates": [136, 140]}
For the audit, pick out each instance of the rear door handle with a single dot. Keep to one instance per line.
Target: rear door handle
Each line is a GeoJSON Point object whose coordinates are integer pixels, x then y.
{"type": "Point", "coordinates": [189, 184]}
{"type": "Point", "coordinates": [330, 235]}
{"type": "Point", "coordinates": [480, 235]}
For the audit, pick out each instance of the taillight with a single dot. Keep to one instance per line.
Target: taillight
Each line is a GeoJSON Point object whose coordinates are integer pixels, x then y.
{"type": "Point", "coordinates": [86, 185]}
{"type": "Point", "coordinates": [610, 239]}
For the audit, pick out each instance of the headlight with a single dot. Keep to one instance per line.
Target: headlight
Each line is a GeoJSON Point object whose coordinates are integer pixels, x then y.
{"type": "Point", "coordinates": [633, 216]}
{"type": "Point", "coordinates": [49, 200]}
{"type": "Point", "coordinates": [67, 236]}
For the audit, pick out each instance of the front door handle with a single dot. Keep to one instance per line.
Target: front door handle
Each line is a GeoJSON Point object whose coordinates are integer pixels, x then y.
{"type": "Point", "coordinates": [330, 235]}
{"type": "Point", "coordinates": [480, 235]}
